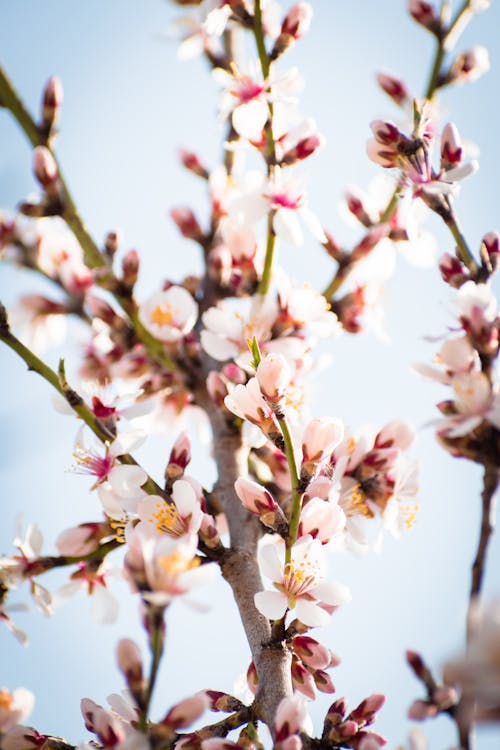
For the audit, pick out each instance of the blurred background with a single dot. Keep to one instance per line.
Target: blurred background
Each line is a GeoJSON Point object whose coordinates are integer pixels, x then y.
{"type": "Point", "coordinates": [129, 104]}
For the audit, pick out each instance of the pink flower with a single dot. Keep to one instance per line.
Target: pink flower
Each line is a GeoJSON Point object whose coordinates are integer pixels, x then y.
{"type": "Point", "coordinates": [300, 583]}
{"type": "Point", "coordinates": [247, 402]}
{"type": "Point", "coordinates": [291, 719]}
{"type": "Point", "coordinates": [321, 519]}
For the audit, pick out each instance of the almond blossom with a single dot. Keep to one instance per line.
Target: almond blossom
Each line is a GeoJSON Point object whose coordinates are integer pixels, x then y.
{"type": "Point", "coordinates": [117, 484]}
{"type": "Point", "coordinates": [247, 98]}
{"type": "Point", "coordinates": [181, 516]}
{"type": "Point", "coordinates": [300, 583]}
{"type": "Point", "coordinates": [14, 707]}
{"type": "Point", "coordinates": [169, 315]}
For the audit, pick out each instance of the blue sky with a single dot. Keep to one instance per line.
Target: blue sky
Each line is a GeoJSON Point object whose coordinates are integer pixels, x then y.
{"type": "Point", "coordinates": [129, 104]}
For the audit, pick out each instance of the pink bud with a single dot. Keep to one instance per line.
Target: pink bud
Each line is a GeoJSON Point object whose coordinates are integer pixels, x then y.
{"type": "Point", "coordinates": [298, 20]}
{"type": "Point", "coordinates": [393, 87]}
{"type": "Point", "coordinates": [421, 710]}
{"type": "Point", "coordinates": [129, 660]}
{"type": "Point", "coordinates": [303, 149]}
{"type": "Point", "coordinates": [45, 168]}
{"type": "Point", "coordinates": [451, 148]}
{"type": "Point", "coordinates": [252, 678]}
{"type": "Point", "coordinates": [180, 455]}
{"type": "Point", "coordinates": [274, 376]}
{"type": "Point", "coordinates": [355, 205]}
{"type": "Point", "coordinates": [290, 717]}
{"type": "Point", "coordinates": [184, 713]}
{"type": "Point", "coordinates": [491, 245]}
{"type": "Point", "coordinates": [254, 497]}
{"type": "Point", "coordinates": [234, 373]}
{"type": "Point", "coordinates": [130, 269]}
{"type": "Point", "coordinates": [187, 224]}
{"type": "Point", "coordinates": [469, 66]}
{"type": "Point", "coordinates": [302, 679]}
{"type": "Point", "coordinates": [453, 270]}
{"type": "Point", "coordinates": [424, 13]}
{"type": "Point", "coordinates": [323, 681]}
{"type": "Point", "coordinates": [192, 162]}
{"type": "Point", "coordinates": [371, 742]}
{"type": "Point", "coordinates": [311, 652]}
{"type": "Point", "coordinates": [112, 242]}
{"type": "Point", "coordinates": [368, 707]}
{"type": "Point", "coordinates": [51, 102]}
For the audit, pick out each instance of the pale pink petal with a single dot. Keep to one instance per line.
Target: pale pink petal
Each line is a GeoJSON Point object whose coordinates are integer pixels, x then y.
{"type": "Point", "coordinates": [249, 119]}
{"type": "Point", "coordinates": [286, 226]}
{"type": "Point", "coordinates": [311, 614]}
{"type": "Point", "coordinates": [272, 604]}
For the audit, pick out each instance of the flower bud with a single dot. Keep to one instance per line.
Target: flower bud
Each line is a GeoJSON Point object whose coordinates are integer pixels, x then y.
{"type": "Point", "coordinates": [425, 14]}
{"type": "Point", "coordinates": [395, 434]}
{"type": "Point", "coordinates": [323, 681]}
{"type": "Point", "coordinates": [129, 660]}
{"type": "Point", "coordinates": [303, 149]}
{"type": "Point", "coordinates": [46, 171]}
{"type": "Point", "coordinates": [184, 713]}
{"type": "Point", "coordinates": [451, 148]}
{"type": "Point", "coordinates": [290, 717]}
{"type": "Point", "coordinates": [453, 271]}
{"type": "Point", "coordinates": [368, 707]}
{"type": "Point", "coordinates": [180, 456]}
{"type": "Point", "coordinates": [187, 224]}
{"type": "Point", "coordinates": [302, 679]}
{"type": "Point", "coordinates": [81, 540]}
{"type": "Point", "coordinates": [192, 162]}
{"type": "Point", "coordinates": [111, 243]}
{"type": "Point", "coordinates": [216, 387]}
{"type": "Point", "coordinates": [312, 653]}
{"type": "Point", "coordinates": [254, 497]}
{"type": "Point", "coordinates": [393, 87]}
{"type": "Point", "coordinates": [274, 376]}
{"type": "Point", "coordinates": [354, 201]}
{"type": "Point", "coordinates": [298, 20]}
{"type": "Point", "coordinates": [490, 251]}
{"type": "Point", "coordinates": [130, 269]}
{"type": "Point", "coordinates": [51, 103]}
{"type": "Point", "coordinates": [469, 66]}
{"type": "Point", "coordinates": [421, 710]}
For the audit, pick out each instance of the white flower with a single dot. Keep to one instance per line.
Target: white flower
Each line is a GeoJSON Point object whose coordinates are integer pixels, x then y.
{"type": "Point", "coordinates": [300, 584]}
{"type": "Point", "coordinates": [14, 707]}
{"type": "Point", "coordinates": [116, 483]}
{"type": "Point", "coordinates": [182, 516]}
{"type": "Point", "coordinates": [169, 315]}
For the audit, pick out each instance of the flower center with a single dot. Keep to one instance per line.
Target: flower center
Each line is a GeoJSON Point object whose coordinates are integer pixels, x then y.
{"type": "Point", "coordinates": [6, 700]}
{"type": "Point", "coordinates": [175, 563]}
{"type": "Point", "coordinates": [167, 520]}
{"type": "Point", "coordinates": [90, 463]}
{"type": "Point", "coordinates": [282, 200]}
{"type": "Point", "coordinates": [248, 90]}
{"type": "Point", "coordinates": [302, 576]}
{"type": "Point", "coordinates": [162, 315]}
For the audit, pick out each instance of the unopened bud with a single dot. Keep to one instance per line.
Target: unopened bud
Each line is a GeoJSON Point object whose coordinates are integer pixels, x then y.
{"type": "Point", "coordinates": [184, 713]}
{"type": "Point", "coordinates": [323, 681]}
{"type": "Point", "coordinates": [46, 171]}
{"type": "Point", "coordinates": [445, 697]}
{"type": "Point", "coordinates": [51, 102]}
{"type": "Point", "coordinates": [303, 149]}
{"type": "Point", "coordinates": [295, 24]}
{"type": "Point", "coordinates": [453, 271]}
{"type": "Point", "coordinates": [421, 710]}
{"type": "Point", "coordinates": [354, 201]}
{"type": "Point", "coordinates": [179, 458]}
{"type": "Point", "coordinates": [111, 243]}
{"type": "Point", "coordinates": [129, 660]}
{"type": "Point", "coordinates": [223, 701]}
{"type": "Point", "coordinates": [321, 437]}
{"type": "Point", "coordinates": [367, 708]}
{"type": "Point", "coordinates": [187, 224]}
{"type": "Point", "coordinates": [425, 14]}
{"type": "Point", "coordinates": [490, 251]}
{"type": "Point", "coordinates": [192, 162]}
{"type": "Point", "coordinates": [469, 66]}
{"type": "Point", "coordinates": [393, 87]}
{"type": "Point", "coordinates": [451, 147]}
{"type": "Point", "coordinates": [130, 269]}
{"type": "Point", "coordinates": [274, 376]}
{"type": "Point", "coordinates": [312, 653]}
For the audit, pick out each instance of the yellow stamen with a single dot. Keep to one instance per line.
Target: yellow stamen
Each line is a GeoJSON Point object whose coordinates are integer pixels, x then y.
{"type": "Point", "coordinates": [167, 520]}
{"type": "Point", "coordinates": [175, 563]}
{"type": "Point", "coordinates": [162, 315]}
{"type": "Point", "coordinates": [118, 526]}
{"type": "Point", "coordinates": [6, 700]}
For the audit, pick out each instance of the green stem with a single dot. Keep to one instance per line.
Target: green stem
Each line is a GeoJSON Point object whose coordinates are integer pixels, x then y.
{"type": "Point", "coordinates": [267, 273]}
{"type": "Point", "coordinates": [296, 496]}
{"type": "Point", "coordinates": [156, 647]}
{"type": "Point", "coordinates": [58, 382]}
{"type": "Point", "coordinates": [265, 65]}
{"type": "Point", "coordinates": [463, 251]}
